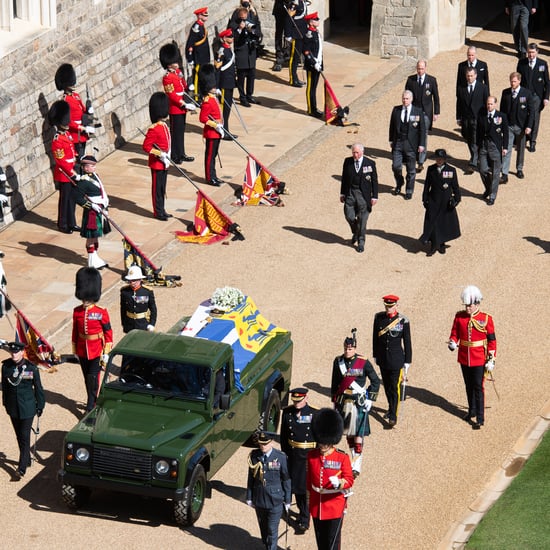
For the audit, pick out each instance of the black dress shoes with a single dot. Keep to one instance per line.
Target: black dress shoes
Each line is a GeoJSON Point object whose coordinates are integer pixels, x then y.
{"type": "Point", "coordinates": [520, 174]}
{"type": "Point", "coordinates": [360, 248]}
{"type": "Point", "coordinates": [532, 147]}
{"type": "Point", "coordinates": [396, 191]}
{"type": "Point", "coordinates": [244, 102]}
{"type": "Point", "coordinates": [215, 182]}
{"type": "Point", "coordinates": [65, 230]}
{"type": "Point", "coordinates": [187, 158]}
{"type": "Point", "coordinates": [253, 100]}
{"type": "Point", "coordinates": [431, 253]}
{"type": "Point", "coordinates": [317, 114]}
{"type": "Point", "coordinates": [490, 202]}
{"type": "Point", "coordinates": [75, 228]}
{"type": "Point", "coordinates": [442, 248]}
{"type": "Point", "coordinates": [161, 217]}
{"type": "Point", "coordinates": [408, 196]}
{"type": "Point", "coordinates": [504, 178]}
{"type": "Point", "coordinates": [298, 84]}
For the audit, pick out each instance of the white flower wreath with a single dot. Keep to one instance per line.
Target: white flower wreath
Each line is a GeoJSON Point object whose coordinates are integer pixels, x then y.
{"type": "Point", "coordinates": [226, 298]}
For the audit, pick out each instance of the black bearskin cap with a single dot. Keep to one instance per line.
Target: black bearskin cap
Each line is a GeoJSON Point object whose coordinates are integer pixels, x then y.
{"type": "Point", "coordinates": [158, 106]}
{"type": "Point", "coordinates": [169, 54]}
{"type": "Point", "coordinates": [88, 284]}
{"type": "Point", "coordinates": [65, 77]}
{"type": "Point", "coordinates": [327, 426]}
{"type": "Point", "coordinates": [59, 113]}
{"type": "Point", "coordinates": [207, 78]}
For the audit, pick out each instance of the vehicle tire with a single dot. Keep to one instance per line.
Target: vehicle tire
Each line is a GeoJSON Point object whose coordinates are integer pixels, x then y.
{"type": "Point", "coordinates": [271, 413]}
{"type": "Point", "coordinates": [188, 510]}
{"type": "Point", "coordinates": [74, 497]}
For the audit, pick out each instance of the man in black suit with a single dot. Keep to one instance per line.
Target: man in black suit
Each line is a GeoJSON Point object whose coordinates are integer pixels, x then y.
{"type": "Point", "coordinates": [492, 140]}
{"type": "Point", "coordinates": [407, 138]}
{"type": "Point", "coordinates": [471, 98]}
{"type": "Point", "coordinates": [517, 103]}
{"type": "Point", "coordinates": [519, 12]}
{"type": "Point", "coordinates": [534, 76]}
{"type": "Point", "coordinates": [358, 192]}
{"type": "Point", "coordinates": [426, 98]}
{"type": "Point", "coordinates": [472, 62]}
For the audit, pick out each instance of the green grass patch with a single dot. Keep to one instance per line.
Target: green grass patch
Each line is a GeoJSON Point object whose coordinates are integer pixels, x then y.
{"type": "Point", "coordinates": [520, 519]}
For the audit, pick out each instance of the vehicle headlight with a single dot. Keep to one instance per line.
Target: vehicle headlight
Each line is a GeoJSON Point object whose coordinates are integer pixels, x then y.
{"type": "Point", "coordinates": [162, 467]}
{"type": "Point", "coordinates": [82, 454]}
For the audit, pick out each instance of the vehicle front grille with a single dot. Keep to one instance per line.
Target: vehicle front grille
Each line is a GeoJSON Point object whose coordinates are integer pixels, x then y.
{"type": "Point", "coordinates": [124, 463]}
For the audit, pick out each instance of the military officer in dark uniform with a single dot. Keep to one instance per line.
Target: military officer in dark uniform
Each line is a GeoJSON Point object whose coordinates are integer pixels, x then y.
{"type": "Point", "coordinates": [137, 303]}
{"type": "Point", "coordinates": [392, 351]}
{"type": "Point", "coordinates": [534, 76]}
{"type": "Point", "coordinates": [23, 397]}
{"type": "Point", "coordinates": [492, 142]}
{"type": "Point", "coordinates": [197, 49]}
{"type": "Point", "coordinates": [226, 76]}
{"type": "Point", "coordinates": [268, 488]}
{"type": "Point", "coordinates": [296, 440]}
{"type": "Point", "coordinates": [313, 62]}
{"type": "Point", "coordinates": [352, 397]}
{"type": "Point", "coordinates": [295, 30]}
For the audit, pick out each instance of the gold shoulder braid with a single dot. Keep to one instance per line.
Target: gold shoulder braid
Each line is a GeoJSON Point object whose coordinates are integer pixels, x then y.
{"type": "Point", "coordinates": [257, 470]}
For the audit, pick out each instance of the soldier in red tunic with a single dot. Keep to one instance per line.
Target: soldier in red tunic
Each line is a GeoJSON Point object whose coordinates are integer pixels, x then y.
{"type": "Point", "coordinates": [211, 117]}
{"type": "Point", "coordinates": [328, 479]}
{"type": "Point", "coordinates": [157, 144]}
{"type": "Point", "coordinates": [65, 81]}
{"type": "Point", "coordinates": [64, 156]}
{"type": "Point", "coordinates": [473, 333]}
{"type": "Point", "coordinates": [92, 336]}
{"type": "Point", "coordinates": [175, 86]}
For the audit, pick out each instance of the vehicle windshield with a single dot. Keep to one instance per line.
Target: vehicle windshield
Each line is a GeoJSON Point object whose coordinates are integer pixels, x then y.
{"type": "Point", "coordinates": [158, 375]}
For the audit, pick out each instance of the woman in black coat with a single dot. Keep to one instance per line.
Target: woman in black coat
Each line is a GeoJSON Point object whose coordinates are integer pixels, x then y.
{"type": "Point", "coordinates": [440, 197]}
{"type": "Point", "coordinates": [23, 397]}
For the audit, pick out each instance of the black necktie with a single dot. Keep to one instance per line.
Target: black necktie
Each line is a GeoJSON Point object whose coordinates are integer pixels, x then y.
{"type": "Point", "coordinates": [470, 88]}
{"type": "Point", "coordinates": [420, 81]}
{"type": "Point", "coordinates": [357, 166]}
{"type": "Point", "coordinates": [405, 116]}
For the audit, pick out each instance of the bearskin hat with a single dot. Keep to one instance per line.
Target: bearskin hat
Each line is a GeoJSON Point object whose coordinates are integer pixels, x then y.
{"type": "Point", "coordinates": [207, 78]}
{"type": "Point", "coordinates": [65, 77]}
{"type": "Point", "coordinates": [158, 106]}
{"type": "Point", "coordinates": [59, 113]}
{"type": "Point", "coordinates": [88, 284]}
{"type": "Point", "coordinates": [327, 426]}
{"type": "Point", "coordinates": [169, 54]}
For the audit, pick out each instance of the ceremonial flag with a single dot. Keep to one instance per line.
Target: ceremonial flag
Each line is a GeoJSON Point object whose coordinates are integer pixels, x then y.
{"type": "Point", "coordinates": [334, 113]}
{"type": "Point", "coordinates": [133, 256]}
{"type": "Point", "coordinates": [210, 224]}
{"type": "Point", "coordinates": [37, 348]}
{"type": "Point", "coordinates": [259, 186]}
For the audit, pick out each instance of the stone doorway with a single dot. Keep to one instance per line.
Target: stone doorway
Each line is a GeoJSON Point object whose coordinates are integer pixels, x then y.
{"type": "Point", "coordinates": [350, 22]}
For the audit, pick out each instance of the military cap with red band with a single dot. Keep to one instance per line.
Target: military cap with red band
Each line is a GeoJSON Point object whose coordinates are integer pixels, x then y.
{"type": "Point", "coordinates": [201, 11]}
{"type": "Point", "coordinates": [227, 33]}
{"type": "Point", "coordinates": [313, 15]}
{"type": "Point", "coordinates": [390, 299]}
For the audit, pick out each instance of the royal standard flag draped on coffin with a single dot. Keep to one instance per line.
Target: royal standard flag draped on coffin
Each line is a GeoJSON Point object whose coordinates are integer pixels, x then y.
{"type": "Point", "coordinates": [244, 328]}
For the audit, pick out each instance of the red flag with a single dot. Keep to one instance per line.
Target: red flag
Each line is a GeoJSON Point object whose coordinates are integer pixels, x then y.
{"type": "Point", "coordinates": [334, 112]}
{"type": "Point", "coordinates": [37, 348]}
{"type": "Point", "coordinates": [210, 225]}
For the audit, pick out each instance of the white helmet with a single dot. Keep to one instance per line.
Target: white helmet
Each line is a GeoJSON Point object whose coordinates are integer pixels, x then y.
{"type": "Point", "coordinates": [471, 295]}
{"type": "Point", "coordinates": [134, 273]}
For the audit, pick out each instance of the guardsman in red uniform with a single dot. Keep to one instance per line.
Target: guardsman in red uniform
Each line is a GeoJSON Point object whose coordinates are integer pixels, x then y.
{"type": "Point", "coordinates": [473, 333]}
{"type": "Point", "coordinates": [329, 479]}
{"type": "Point", "coordinates": [65, 81]}
{"type": "Point", "coordinates": [197, 49]}
{"type": "Point", "coordinates": [64, 156]}
{"type": "Point", "coordinates": [92, 336]}
{"type": "Point", "coordinates": [157, 144]}
{"type": "Point", "coordinates": [211, 116]}
{"type": "Point", "coordinates": [175, 86]}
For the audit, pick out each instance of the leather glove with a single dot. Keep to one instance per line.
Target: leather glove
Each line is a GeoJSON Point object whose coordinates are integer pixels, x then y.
{"type": "Point", "coordinates": [90, 110]}
{"type": "Point", "coordinates": [89, 129]}
{"type": "Point", "coordinates": [76, 177]}
{"type": "Point", "coordinates": [104, 360]}
{"type": "Point", "coordinates": [249, 503]}
{"type": "Point", "coordinates": [190, 106]}
{"type": "Point", "coordinates": [150, 328]}
{"type": "Point", "coordinates": [289, 39]}
{"type": "Point", "coordinates": [452, 345]}
{"type": "Point", "coordinates": [368, 405]}
{"type": "Point", "coordinates": [219, 129]}
{"type": "Point", "coordinates": [39, 412]}
{"type": "Point", "coordinates": [318, 67]}
{"type": "Point", "coordinates": [335, 481]}
{"type": "Point", "coordinates": [406, 367]}
{"type": "Point", "coordinates": [218, 92]}
{"type": "Point", "coordinates": [96, 207]}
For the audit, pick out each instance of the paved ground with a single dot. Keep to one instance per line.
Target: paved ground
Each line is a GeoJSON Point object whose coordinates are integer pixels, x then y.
{"type": "Point", "coordinates": [296, 263]}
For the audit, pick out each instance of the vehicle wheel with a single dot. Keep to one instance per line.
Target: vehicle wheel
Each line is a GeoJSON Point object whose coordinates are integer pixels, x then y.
{"type": "Point", "coordinates": [272, 412]}
{"type": "Point", "coordinates": [74, 497]}
{"type": "Point", "coordinates": [188, 510]}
